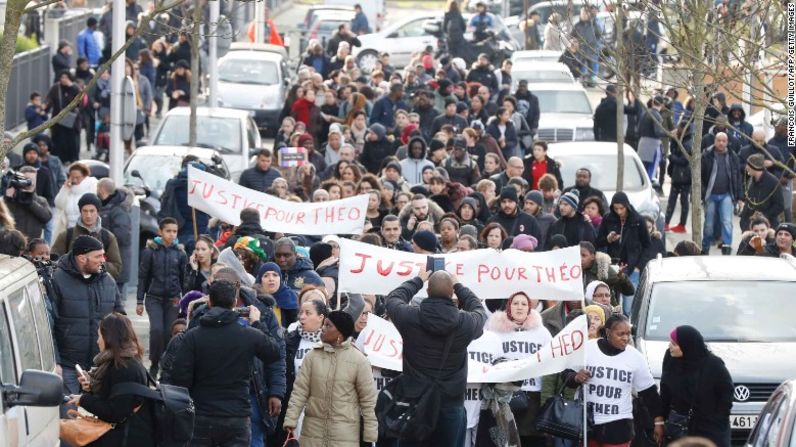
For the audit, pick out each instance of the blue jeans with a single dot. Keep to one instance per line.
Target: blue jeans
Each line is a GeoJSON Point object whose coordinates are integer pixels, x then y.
{"type": "Point", "coordinates": [258, 428]}
{"type": "Point", "coordinates": [48, 230]}
{"type": "Point", "coordinates": [450, 431]}
{"type": "Point", "coordinates": [627, 300]}
{"type": "Point", "coordinates": [721, 204]}
{"type": "Point", "coordinates": [221, 432]}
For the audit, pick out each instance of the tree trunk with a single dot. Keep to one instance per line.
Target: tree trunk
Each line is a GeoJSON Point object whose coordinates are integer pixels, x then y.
{"type": "Point", "coordinates": [620, 99]}
{"type": "Point", "coordinates": [695, 161]}
{"type": "Point", "coordinates": [195, 75]}
{"type": "Point", "coordinates": [8, 45]}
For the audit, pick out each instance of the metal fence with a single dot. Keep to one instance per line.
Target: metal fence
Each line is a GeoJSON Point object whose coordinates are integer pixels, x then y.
{"type": "Point", "coordinates": [30, 72]}
{"type": "Point", "coordinates": [66, 27]}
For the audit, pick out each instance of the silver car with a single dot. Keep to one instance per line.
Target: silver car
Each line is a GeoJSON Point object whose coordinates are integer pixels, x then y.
{"type": "Point", "coordinates": [255, 77]}
{"type": "Point", "coordinates": [776, 426]}
{"type": "Point", "coordinates": [601, 159]}
{"type": "Point", "coordinates": [742, 307]}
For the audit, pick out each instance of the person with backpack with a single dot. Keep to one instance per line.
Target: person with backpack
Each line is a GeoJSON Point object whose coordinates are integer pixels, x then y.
{"type": "Point", "coordinates": [90, 224]}
{"type": "Point", "coordinates": [161, 276]}
{"type": "Point", "coordinates": [215, 364]}
{"type": "Point", "coordinates": [119, 361]}
{"type": "Point", "coordinates": [437, 350]}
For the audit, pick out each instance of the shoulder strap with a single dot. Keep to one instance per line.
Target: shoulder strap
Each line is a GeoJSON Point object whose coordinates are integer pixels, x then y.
{"type": "Point", "coordinates": [445, 353]}
{"type": "Point", "coordinates": [135, 389]}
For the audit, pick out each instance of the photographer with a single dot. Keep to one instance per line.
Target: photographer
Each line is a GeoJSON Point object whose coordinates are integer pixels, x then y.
{"type": "Point", "coordinates": [31, 212]}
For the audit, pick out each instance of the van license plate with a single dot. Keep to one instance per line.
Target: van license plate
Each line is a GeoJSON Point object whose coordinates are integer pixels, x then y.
{"type": "Point", "coordinates": [743, 422]}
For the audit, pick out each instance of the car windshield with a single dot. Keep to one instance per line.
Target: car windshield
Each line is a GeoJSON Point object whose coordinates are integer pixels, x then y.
{"type": "Point", "coordinates": [221, 134]}
{"type": "Point", "coordinates": [541, 76]}
{"type": "Point", "coordinates": [603, 170]}
{"type": "Point", "coordinates": [563, 101]}
{"type": "Point", "coordinates": [248, 71]}
{"type": "Point", "coordinates": [724, 311]}
{"type": "Point", "coordinates": [534, 58]}
{"type": "Point", "coordinates": [156, 170]}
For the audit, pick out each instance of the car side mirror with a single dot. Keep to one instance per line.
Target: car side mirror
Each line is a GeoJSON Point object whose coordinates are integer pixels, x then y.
{"type": "Point", "coordinates": [36, 389]}
{"type": "Point", "coordinates": [392, 35]}
{"type": "Point", "coordinates": [136, 174]}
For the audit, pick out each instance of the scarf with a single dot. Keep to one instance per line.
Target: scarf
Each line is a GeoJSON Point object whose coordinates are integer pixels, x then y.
{"type": "Point", "coordinates": [103, 362]}
{"type": "Point", "coordinates": [496, 398]}
{"type": "Point", "coordinates": [313, 337]}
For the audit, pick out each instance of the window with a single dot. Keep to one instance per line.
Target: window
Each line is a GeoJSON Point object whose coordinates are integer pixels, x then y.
{"type": "Point", "coordinates": [413, 29]}
{"type": "Point", "coordinates": [221, 134]}
{"type": "Point", "coordinates": [248, 71]}
{"type": "Point", "coordinates": [563, 101]}
{"type": "Point", "coordinates": [36, 297]}
{"type": "Point", "coordinates": [603, 170]}
{"type": "Point", "coordinates": [25, 330]}
{"type": "Point", "coordinates": [6, 350]}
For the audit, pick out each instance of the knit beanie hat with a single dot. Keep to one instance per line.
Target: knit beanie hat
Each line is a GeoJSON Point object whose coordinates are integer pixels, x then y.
{"type": "Point", "coordinates": [267, 267]}
{"type": "Point", "coordinates": [596, 308]}
{"type": "Point", "coordinates": [524, 242]}
{"type": "Point", "coordinates": [89, 199]}
{"type": "Point", "coordinates": [342, 321]}
{"type": "Point", "coordinates": [509, 192]}
{"type": "Point", "coordinates": [535, 197]}
{"type": "Point", "coordinates": [86, 244]}
{"type": "Point", "coordinates": [789, 227]}
{"type": "Point", "coordinates": [572, 198]}
{"type": "Point", "coordinates": [252, 245]}
{"type": "Point", "coordinates": [30, 147]}
{"type": "Point", "coordinates": [469, 230]}
{"type": "Point", "coordinates": [425, 240]}
{"type": "Point", "coordinates": [319, 252]}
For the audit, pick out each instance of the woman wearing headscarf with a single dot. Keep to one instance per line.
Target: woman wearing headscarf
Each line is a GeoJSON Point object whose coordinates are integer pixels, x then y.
{"type": "Point", "coordinates": [598, 292]}
{"type": "Point", "coordinates": [695, 381]}
{"type": "Point", "coordinates": [269, 279]}
{"type": "Point", "coordinates": [614, 371]}
{"type": "Point", "coordinates": [623, 235]}
{"type": "Point", "coordinates": [520, 328]}
{"type": "Point", "coordinates": [334, 387]}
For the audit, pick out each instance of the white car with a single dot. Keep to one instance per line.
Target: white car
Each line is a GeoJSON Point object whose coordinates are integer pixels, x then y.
{"type": "Point", "coordinates": [526, 56]}
{"type": "Point", "coordinates": [566, 113]}
{"type": "Point", "coordinates": [600, 158]}
{"type": "Point", "coordinates": [400, 39]}
{"type": "Point", "coordinates": [233, 133]}
{"type": "Point", "coordinates": [540, 72]}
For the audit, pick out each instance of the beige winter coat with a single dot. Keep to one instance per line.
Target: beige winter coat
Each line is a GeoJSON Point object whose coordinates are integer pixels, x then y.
{"type": "Point", "coordinates": [335, 388]}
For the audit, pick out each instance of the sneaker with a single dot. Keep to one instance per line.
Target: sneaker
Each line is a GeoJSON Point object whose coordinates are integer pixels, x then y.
{"type": "Point", "coordinates": [666, 228]}
{"type": "Point", "coordinates": [726, 250]}
{"type": "Point", "coordinates": [678, 229]}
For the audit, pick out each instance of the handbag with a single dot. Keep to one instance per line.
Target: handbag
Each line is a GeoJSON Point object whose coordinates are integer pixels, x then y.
{"type": "Point", "coordinates": [677, 424]}
{"type": "Point", "coordinates": [83, 430]}
{"type": "Point", "coordinates": [561, 417]}
{"type": "Point", "coordinates": [69, 119]}
{"type": "Point", "coordinates": [519, 402]}
{"type": "Point", "coordinates": [407, 412]}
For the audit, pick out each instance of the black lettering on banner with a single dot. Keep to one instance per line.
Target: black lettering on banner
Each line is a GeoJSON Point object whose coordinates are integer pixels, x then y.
{"type": "Point", "coordinates": [380, 382]}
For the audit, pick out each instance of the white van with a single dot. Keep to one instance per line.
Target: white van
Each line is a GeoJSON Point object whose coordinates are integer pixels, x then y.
{"type": "Point", "coordinates": [31, 391]}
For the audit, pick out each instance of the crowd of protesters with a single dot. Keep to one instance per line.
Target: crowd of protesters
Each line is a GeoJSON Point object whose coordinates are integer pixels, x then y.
{"type": "Point", "coordinates": [448, 157]}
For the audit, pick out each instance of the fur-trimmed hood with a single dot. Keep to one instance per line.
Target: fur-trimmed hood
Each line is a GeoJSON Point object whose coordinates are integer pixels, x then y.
{"type": "Point", "coordinates": [603, 263]}
{"type": "Point", "coordinates": [434, 211]}
{"type": "Point", "coordinates": [749, 234]}
{"type": "Point", "coordinates": [499, 322]}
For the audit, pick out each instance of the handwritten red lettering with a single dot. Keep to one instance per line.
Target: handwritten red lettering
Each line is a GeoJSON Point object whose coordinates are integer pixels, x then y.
{"type": "Point", "coordinates": [362, 265]}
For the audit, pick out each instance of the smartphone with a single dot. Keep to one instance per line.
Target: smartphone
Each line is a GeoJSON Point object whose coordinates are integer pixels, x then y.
{"type": "Point", "coordinates": [434, 264]}
{"type": "Point", "coordinates": [80, 371]}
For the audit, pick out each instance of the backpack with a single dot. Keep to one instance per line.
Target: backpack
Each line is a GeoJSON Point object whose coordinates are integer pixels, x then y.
{"type": "Point", "coordinates": [168, 204]}
{"type": "Point", "coordinates": [173, 409]}
{"type": "Point", "coordinates": [105, 237]}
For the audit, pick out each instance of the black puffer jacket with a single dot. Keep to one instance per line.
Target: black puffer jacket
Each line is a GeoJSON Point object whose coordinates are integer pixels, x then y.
{"type": "Point", "coordinates": [78, 306]}
{"type": "Point", "coordinates": [634, 238]}
{"type": "Point", "coordinates": [115, 214]}
{"type": "Point", "coordinates": [216, 360]}
{"type": "Point", "coordinates": [162, 271]}
{"type": "Point", "coordinates": [520, 223]}
{"type": "Point", "coordinates": [425, 330]}
{"type": "Point", "coordinates": [258, 180]}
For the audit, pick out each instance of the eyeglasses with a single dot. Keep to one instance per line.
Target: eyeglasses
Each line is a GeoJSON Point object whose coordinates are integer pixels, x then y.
{"type": "Point", "coordinates": [601, 295]}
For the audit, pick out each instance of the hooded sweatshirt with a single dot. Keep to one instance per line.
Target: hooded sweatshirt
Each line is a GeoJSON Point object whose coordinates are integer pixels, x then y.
{"type": "Point", "coordinates": [375, 152]}
{"type": "Point", "coordinates": [285, 297]}
{"type": "Point", "coordinates": [739, 128]}
{"type": "Point", "coordinates": [634, 238]}
{"type": "Point", "coordinates": [412, 168]}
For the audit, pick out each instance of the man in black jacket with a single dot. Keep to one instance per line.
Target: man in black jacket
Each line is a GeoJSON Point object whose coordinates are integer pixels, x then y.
{"type": "Point", "coordinates": [722, 187]}
{"type": "Point", "coordinates": [424, 107]}
{"type": "Point", "coordinates": [391, 233]}
{"type": "Point", "coordinates": [584, 188]}
{"type": "Point", "coordinates": [571, 224]}
{"type": "Point", "coordinates": [605, 116]}
{"type": "Point", "coordinates": [435, 336]}
{"type": "Point", "coordinates": [260, 177]}
{"type": "Point", "coordinates": [215, 364]}
{"type": "Point", "coordinates": [30, 211]}
{"type": "Point", "coordinates": [512, 218]}
{"type": "Point", "coordinates": [82, 294]}
{"type": "Point", "coordinates": [763, 193]}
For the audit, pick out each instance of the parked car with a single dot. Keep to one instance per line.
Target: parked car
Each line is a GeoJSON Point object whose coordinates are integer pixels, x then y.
{"type": "Point", "coordinates": [737, 303]}
{"type": "Point", "coordinates": [566, 112]}
{"type": "Point", "coordinates": [313, 11]}
{"type": "Point", "coordinates": [150, 167]}
{"type": "Point", "coordinates": [601, 159]}
{"type": "Point", "coordinates": [536, 72]}
{"type": "Point", "coordinates": [256, 78]}
{"type": "Point", "coordinates": [31, 391]}
{"type": "Point", "coordinates": [231, 132]}
{"type": "Point", "coordinates": [534, 56]}
{"type": "Point", "coordinates": [776, 425]}
{"type": "Point", "coordinates": [411, 35]}
{"type": "Point", "coordinates": [325, 25]}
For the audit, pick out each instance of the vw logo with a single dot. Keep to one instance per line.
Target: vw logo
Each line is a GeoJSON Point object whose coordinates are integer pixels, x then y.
{"type": "Point", "coordinates": [741, 393]}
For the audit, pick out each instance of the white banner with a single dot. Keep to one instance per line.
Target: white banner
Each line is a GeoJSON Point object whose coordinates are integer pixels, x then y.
{"type": "Point", "coordinates": [383, 345]}
{"type": "Point", "coordinates": [550, 275]}
{"type": "Point", "coordinates": [224, 199]}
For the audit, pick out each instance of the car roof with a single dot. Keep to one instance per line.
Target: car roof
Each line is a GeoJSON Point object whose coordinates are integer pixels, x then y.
{"type": "Point", "coordinates": [332, 14]}
{"type": "Point", "coordinates": [216, 112]}
{"type": "Point", "coordinates": [534, 54]}
{"type": "Point", "coordinates": [261, 49]}
{"type": "Point", "coordinates": [555, 86]}
{"type": "Point", "coordinates": [13, 269]}
{"type": "Point", "coordinates": [177, 151]}
{"type": "Point", "coordinates": [537, 65]}
{"type": "Point", "coordinates": [588, 148]}
{"type": "Point", "coordinates": [722, 268]}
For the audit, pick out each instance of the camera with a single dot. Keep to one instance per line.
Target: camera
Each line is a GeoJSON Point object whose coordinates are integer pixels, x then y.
{"type": "Point", "coordinates": [242, 311]}
{"type": "Point", "coordinates": [16, 180]}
